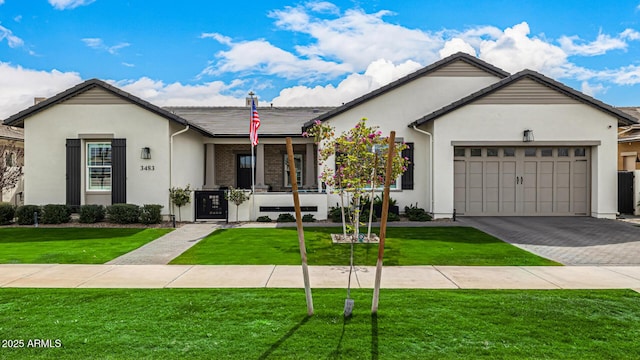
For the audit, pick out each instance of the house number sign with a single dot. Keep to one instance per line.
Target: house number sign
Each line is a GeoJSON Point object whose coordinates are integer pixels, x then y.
{"type": "Point", "coordinates": [147, 168]}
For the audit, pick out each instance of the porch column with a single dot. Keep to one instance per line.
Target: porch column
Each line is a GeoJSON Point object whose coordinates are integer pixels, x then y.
{"type": "Point", "coordinates": [310, 178]}
{"type": "Point", "coordinates": [260, 186]}
{"type": "Point", "coordinates": [210, 167]}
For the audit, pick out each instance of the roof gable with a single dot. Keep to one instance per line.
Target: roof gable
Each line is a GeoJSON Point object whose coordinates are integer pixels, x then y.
{"type": "Point", "coordinates": [459, 64]}
{"type": "Point", "coordinates": [92, 92]}
{"type": "Point", "coordinates": [528, 87]}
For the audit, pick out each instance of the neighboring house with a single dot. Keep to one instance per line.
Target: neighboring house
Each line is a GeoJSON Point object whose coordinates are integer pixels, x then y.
{"type": "Point", "coordinates": [629, 143]}
{"type": "Point", "coordinates": [12, 145]}
{"type": "Point", "coordinates": [482, 142]}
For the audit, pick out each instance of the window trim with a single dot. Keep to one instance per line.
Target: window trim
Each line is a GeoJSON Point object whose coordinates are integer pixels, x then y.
{"type": "Point", "coordinates": [88, 167]}
{"type": "Point", "coordinates": [287, 178]}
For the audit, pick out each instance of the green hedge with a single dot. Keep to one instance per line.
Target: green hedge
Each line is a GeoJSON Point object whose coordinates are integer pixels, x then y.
{"type": "Point", "coordinates": [151, 214]}
{"type": "Point", "coordinates": [286, 217]}
{"type": "Point", "coordinates": [123, 213]}
{"type": "Point", "coordinates": [263, 219]}
{"type": "Point", "coordinates": [55, 214]}
{"type": "Point", "coordinates": [25, 213]}
{"type": "Point", "coordinates": [90, 214]}
{"type": "Point", "coordinates": [7, 213]}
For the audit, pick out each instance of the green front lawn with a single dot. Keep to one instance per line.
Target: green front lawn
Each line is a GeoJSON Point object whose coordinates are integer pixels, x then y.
{"type": "Point", "coordinates": [71, 245]}
{"type": "Point", "coordinates": [403, 246]}
{"type": "Point", "coordinates": [272, 324]}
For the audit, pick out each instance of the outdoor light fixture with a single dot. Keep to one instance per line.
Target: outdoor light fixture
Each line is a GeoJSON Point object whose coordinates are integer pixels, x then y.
{"type": "Point", "coordinates": [145, 153]}
{"type": "Point", "coordinates": [527, 136]}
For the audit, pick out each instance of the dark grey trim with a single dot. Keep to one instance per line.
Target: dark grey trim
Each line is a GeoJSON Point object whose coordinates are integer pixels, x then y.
{"type": "Point", "coordinates": [119, 171]}
{"type": "Point", "coordinates": [527, 144]}
{"type": "Point", "coordinates": [73, 173]}
{"type": "Point", "coordinates": [623, 118]}
{"type": "Point", "coordinates": [471, 60]}
{"type": "Point", "coordinates": [407, 177]}
{"type": "Point", "coordinates": [18, 119]}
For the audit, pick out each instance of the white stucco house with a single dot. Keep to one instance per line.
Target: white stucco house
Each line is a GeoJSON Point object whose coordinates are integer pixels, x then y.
{"type": "Point", "coordinates": [481, 142]}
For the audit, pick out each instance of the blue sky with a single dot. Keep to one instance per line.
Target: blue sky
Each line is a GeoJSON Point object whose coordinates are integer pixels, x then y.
{"type": "Point", "coordinates": [306, 53]}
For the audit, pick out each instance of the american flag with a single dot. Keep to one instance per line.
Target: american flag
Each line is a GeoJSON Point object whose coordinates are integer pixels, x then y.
{"type": "Point", "coordinates": [254, 125]}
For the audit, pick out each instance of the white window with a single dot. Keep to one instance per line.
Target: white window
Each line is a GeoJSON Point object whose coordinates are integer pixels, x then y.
{"type": "Point", "coordinates": [99, 166]}
{"type": "Point", "coordinates": [297, 159]}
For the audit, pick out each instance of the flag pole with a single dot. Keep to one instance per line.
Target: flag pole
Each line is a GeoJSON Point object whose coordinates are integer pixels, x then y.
{"type": "Point", "coordinates": [253, 165]}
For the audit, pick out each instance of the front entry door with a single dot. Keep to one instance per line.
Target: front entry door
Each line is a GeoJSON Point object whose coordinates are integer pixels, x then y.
{"type": "Point", "coordinates": [521, 180]}
{"type": "Point", "coordinates": [243, 171]}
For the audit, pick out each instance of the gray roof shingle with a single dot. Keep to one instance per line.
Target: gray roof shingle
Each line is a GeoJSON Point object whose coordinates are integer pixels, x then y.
{"type": "Point", "coordinates": [234, 121]}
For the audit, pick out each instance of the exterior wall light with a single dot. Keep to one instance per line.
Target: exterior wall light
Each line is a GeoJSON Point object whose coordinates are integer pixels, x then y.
{"type": "Point", "coordinates": [145, 153]}
{"type": "Point", "coordinates": [527, 136]}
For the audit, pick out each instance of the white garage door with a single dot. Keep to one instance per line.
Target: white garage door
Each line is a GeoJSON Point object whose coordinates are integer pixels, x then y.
{"type": "Point", "coordinates": [521, 180]}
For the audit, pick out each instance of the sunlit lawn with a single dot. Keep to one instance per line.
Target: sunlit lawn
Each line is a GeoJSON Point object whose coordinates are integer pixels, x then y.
{"type": "Point", "coordinates": [272, 324]}
{"type": "Point", "coordinates": [71, 245]}
{"type": "Point", "coordinates": [404, 246]}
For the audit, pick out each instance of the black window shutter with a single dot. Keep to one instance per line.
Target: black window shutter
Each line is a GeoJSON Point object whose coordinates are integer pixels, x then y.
{"type": "Point", "coordinates": [74, 177]}
{"type": "Point", "coordinates": [118, 171]}
{"type": "Point", "coordinates": [407, 177]}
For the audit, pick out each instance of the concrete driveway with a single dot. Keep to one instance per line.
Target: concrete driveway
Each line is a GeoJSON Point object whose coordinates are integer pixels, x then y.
{"type": "Point", "coordinates": [567, 240]}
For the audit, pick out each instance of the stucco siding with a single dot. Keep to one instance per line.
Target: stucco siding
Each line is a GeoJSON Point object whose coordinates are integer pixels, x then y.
{"type": "Point", "coordinates": [397, 108]}
{"type": "Point", "coordinates": [187, 165]}
{"type": "Point", "coordinates": [46, 132]}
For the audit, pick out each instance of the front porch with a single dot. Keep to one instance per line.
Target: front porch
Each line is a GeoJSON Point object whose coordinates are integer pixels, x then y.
{"type": "Point", "coordinates": [228, 164]}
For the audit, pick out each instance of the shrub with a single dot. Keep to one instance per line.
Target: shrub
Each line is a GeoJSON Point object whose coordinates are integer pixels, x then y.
{"type": "Point", "coordinates": [393, 217]}
{"type": "Point", "coordinates": [263, 219]}
{"type": "Point", "coordinates": [308, 218]}
{"type": "Point", "coordinates": [25, 213]}
{"type": "Point", "coordinates": [151, 214]}
{"type": "Point", "coordinates": [56, 214]}
{"type": "Point", "coordinates": [90, 214]}
{"type": "Point", "coordinates": [7, 213]}
{"type": "Point", "coordinates": [286, 217]}
{"type": "Point", "coordinates": [414, 213]}
{"type": "Point", "coordinates": [123, 213]}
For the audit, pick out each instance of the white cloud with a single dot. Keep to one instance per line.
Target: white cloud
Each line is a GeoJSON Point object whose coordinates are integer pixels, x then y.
{"type": "Point", "coordinates": [177, 94]}
{"type": "Point", "coordinates": [357, 38]}
{"type": "Point", "coordinates": [69, 4]}
{"type": "Point", "coordinates": [573, 45]}
{"type": "Point", "coordinates": [19, 86]}
{"type": "Point", "coordinates": [225, 40]}
{"type": "Point", "coordinates": [260, 56]}
{"type": "Point", "coordinates": [593, 90]}
{"type": "Point", "coordinates": [12, 40]}
{"type": "Point", "coordinates": [378, 73]}
{"type": "Point", "coordinates": [456, 45]}
{"type": "Point", "coordinates": [98, 44]}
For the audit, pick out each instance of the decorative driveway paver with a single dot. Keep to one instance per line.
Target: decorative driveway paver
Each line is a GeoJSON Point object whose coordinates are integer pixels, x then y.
{"type": "Point", "coordinates": [568, 240]}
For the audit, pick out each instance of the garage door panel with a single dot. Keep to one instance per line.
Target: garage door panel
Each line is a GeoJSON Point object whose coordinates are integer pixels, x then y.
{"type": "Point", "coordinates": [542, 182]}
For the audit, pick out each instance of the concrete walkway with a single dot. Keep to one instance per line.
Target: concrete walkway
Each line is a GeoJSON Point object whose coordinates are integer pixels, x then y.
{"type": "Point", "coordinates": [164, 249]}
{"type": "Point", "coordinates": [271, 276]}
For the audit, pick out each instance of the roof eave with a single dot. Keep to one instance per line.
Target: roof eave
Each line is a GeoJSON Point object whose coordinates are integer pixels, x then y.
{"type": "Point", "coordinates": [623, 118]}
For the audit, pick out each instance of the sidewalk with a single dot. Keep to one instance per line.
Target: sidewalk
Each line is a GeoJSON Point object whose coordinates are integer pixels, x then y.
{"type": "Point", "coordinates": [166, 248]}
{"type": "Point", "coordinates": [272, 276]}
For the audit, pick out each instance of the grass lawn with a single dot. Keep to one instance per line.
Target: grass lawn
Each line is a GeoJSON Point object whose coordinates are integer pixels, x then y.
{"type": "Point", "coordinates": [403, 246]}
{"type": "Point", "coordinates": [272, 324]}
{"type": "Point", "coordinates": [71, 245]}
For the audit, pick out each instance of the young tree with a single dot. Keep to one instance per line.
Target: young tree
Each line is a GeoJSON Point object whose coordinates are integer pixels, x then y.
{"type": "Point", "coordinates": [11, 158]}
{"type": "Point", "coordinates": [180, 197]}
{"type": "Point", "coordinates": [236, 196]}
{"type": "Point", "coordinates": [360, 156]}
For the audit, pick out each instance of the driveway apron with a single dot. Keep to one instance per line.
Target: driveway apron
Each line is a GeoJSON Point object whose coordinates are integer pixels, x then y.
{"type": "Point", "coordinates": [567, 240]}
